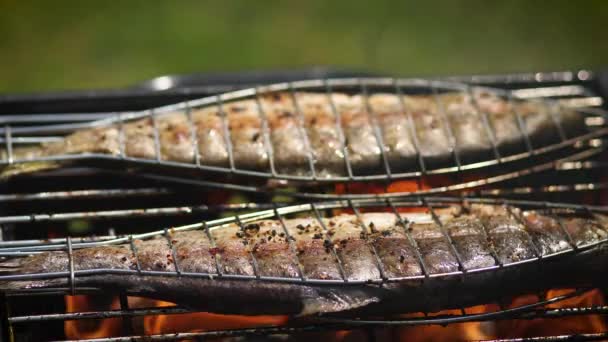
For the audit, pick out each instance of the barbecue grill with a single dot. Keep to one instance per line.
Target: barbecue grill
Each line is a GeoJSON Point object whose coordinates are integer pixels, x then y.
{"type": "Point", "coordinates": [98, 206]}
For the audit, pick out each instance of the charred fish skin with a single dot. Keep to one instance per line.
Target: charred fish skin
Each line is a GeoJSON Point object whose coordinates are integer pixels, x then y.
{"type": "Point", "coordinates": [355, 252]}
{"type": "Point", "coordinates": [470, 242]}
{"type": "Point", "coordinates": [293, 131]}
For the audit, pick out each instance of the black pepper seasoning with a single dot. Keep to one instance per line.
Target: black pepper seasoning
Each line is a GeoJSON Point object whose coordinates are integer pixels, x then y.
{"type": "Point", "coordinates": [327, 244]}
{"type": "Point", "coordinates": [372, 227]}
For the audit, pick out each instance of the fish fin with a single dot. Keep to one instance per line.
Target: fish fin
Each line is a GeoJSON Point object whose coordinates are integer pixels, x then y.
{"type": "Point", "coordinates": [331, 301]}
{"type": "Point", "coordinates": [25, 168]}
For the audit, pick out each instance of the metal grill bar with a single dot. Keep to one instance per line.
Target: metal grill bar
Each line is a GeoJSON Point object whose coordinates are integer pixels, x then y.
{"type": "Point", "coordinates": [372, 248]}
{"type": "Point", "coordinates": [127, 326]}
{"type": "Point", "coordinates": [97, 215]}
{"type": "Point", "coordinates": [193, 135]}
{"type": "Point", "coordinates": [371, 118]}
{"type": "Point", "coordinates": [9, 144]}
{"type": "Point", "coordinates": [266, 134]}
{"type": "Point", "coordinates": [486, 124]}
{"type": "Point", "coordinates": [341, 136]}
{"type": "Point", "coordinates": [447, 129]}
{"type": "Point", "coordinates": [411, 126]}
{"type": "Point", "coordinates": [99, 314]}
{"type": "Point", "coordinates": [24, 140]}
{"type": "Point", "coordinates": [53, 117]}
{"type": "Point", "coordinates": [405, 225]}
{"type": "Point", "coordinates": [267, 331]}
{"type": "Point", "coordinates": [317, 215]}
{"type": "Point", "coordinates": [521, 125]}
{"type": "Point", "coordinates": [218, 265]}
{"type": "Point", "coordinates": [71, 284]}
{"type": "Point", "coordinates": [173, 253]}
{"type": "Point", "coordinates": [486, 236]}
{"type": "Point", "coordinates": [557, 122]}
{"type": "Point", "coordinates": [135, 254]}
{"type": "Point", "coordinates": [446, 235]}
{"type": "Point", "coordinates": [537, 250]}
{"type": "Point", "coordinates": [565, 231]}
{"type": "Point", "coordinates": [254, 261]}
{"type": "Point", "coordinates": [227, 135]}
{"type": "Point", "coordinates": [157, 147]}
{"type": "Point", "coordinates": [130, 213]}
{"type": "Point", "coordinates": [542, 190]}
{"type": "Point", "coordinates": [290, 239]}
{"type": "Point", "coordinates": [122, 153]}
{"type": "Point", "coordinates": [301, 124]}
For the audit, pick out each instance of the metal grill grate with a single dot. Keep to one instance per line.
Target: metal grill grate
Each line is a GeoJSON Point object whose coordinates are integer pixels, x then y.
{"type": "Point", "coordinates": [314, 211]}
{"type": "Point", "coordinates": [574, 172]}
{"type": "Point", "coordinates": [564, 147]}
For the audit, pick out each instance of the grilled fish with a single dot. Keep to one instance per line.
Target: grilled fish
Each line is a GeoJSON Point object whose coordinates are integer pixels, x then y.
{"type": "Point", "coordinates": [304, 129]}
{"type": "Point", "coordinates": [358, 249]}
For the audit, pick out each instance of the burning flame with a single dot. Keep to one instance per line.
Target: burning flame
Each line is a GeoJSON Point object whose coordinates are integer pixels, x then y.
{"type": "Point", "coordinates": [200, 321]}
{"type": "Point", "coordinates": [563, 325]}
{"type": "Point", "coordinates": [91, 328]}
{"type": "Point", "coordinates": [203, 321]}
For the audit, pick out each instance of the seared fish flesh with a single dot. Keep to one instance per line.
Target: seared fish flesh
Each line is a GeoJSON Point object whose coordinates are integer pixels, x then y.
{"type": "Point", "coordinates": [323, 130]}
{"type": "Point", "coordinates": [363, 250]}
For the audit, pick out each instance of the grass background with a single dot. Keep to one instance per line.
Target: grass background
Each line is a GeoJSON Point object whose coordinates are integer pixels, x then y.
{"type": "Point", "coordinates": [69, 44]}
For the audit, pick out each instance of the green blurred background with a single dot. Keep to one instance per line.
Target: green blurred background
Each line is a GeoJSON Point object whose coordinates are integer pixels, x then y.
{"type": "Point", "coordinates": [53, 45]}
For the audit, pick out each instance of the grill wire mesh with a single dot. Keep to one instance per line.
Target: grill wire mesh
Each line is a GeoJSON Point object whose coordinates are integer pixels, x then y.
{"type": "Point", "coordinates": [159, 192]}
{"type": "Point", "coordinates": [498, 166]}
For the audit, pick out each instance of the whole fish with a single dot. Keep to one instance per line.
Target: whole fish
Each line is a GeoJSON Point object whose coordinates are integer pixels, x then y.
{"type": "Point", "coordinates": [302, 129]}
{"type": "Point", "coordinates": [359, 249]}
